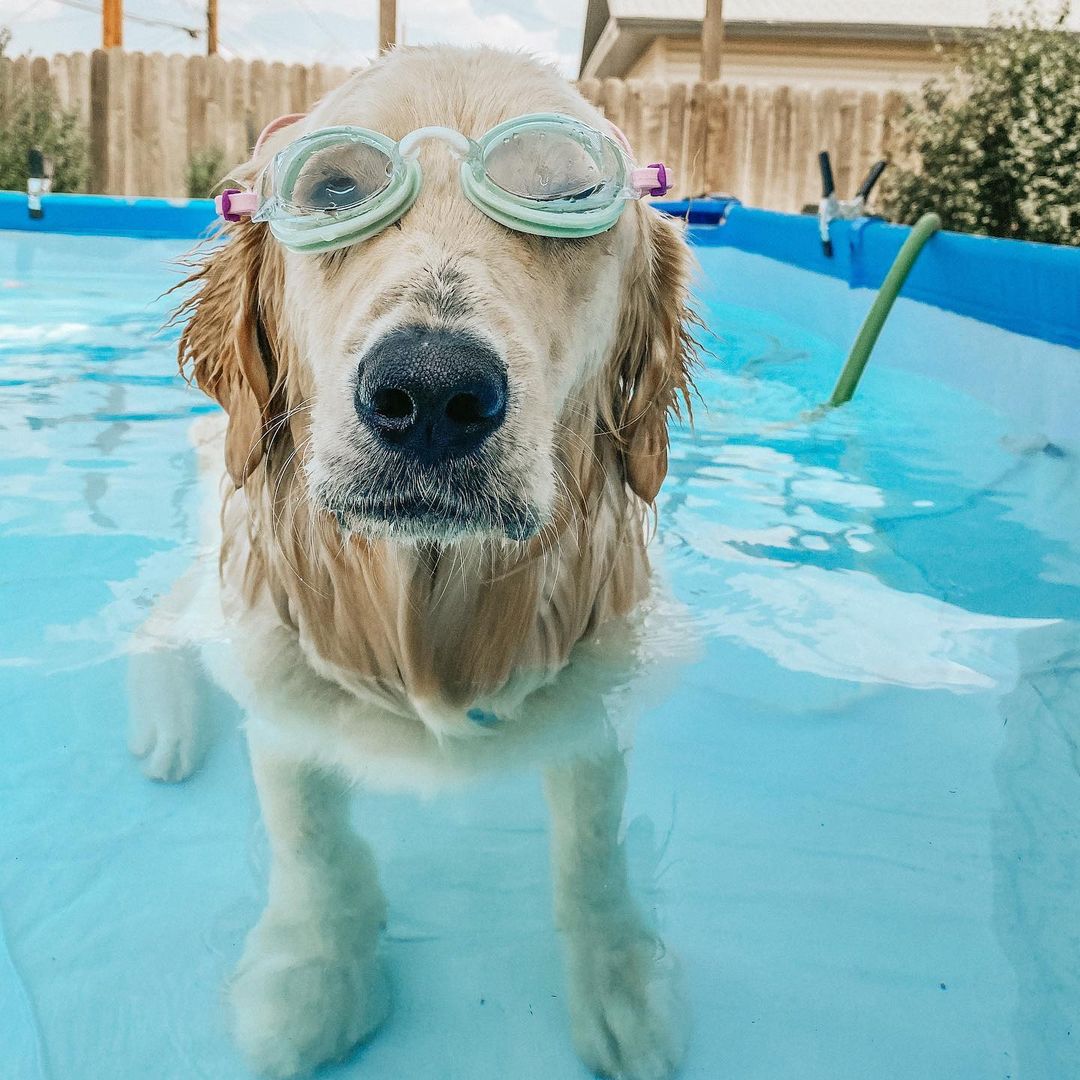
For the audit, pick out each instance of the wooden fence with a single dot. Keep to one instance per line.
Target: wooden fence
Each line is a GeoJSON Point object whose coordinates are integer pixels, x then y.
{"type": "Point", "coordinates": [759, 143]}
{"type": "Point", "coordinates": [148, 115]}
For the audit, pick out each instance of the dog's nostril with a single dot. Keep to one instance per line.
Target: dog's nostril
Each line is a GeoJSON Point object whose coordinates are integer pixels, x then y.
{"type": "Point", "coordinates": [393, 404]}
{"type": "Point", "coordinates": [469, 408]}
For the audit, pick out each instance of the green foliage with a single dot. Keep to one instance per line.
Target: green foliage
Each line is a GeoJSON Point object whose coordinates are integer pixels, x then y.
{"type": "Point", "coordinates": [204, 172]}
{"type": "Point", "coordinates": [31, 116]}
{"type": "Point", "coordinates": [996, 146]}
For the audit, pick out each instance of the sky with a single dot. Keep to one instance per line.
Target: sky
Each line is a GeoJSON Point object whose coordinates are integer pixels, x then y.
{"type": "Point", "coordinates": [306, 31]}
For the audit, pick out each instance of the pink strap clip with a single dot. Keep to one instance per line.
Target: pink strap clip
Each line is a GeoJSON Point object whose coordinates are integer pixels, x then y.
{"type": "Point", "coordinates": [234, 204]}
{"type": "Point", "coordinates": [653, 180]}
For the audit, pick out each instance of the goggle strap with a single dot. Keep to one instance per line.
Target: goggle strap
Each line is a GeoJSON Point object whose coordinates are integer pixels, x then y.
{"type": "Point", "coordinates": [235, 204]}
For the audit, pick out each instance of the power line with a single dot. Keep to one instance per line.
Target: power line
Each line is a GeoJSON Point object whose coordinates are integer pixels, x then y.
{"type": "Point", "coordinates": [25, 11]}
{"type": "Point", "coordinates": [82, 5]}
{"type": "Point", "coordinates": [317, 19]}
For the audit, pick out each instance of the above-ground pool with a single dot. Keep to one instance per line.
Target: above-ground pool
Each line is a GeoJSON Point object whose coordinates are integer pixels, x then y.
{"type": "Point", "coordinates": [856, 817]}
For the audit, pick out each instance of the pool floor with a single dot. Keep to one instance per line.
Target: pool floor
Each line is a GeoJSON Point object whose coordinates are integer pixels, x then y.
{"type": "Point", "coordinates": [856, 817]}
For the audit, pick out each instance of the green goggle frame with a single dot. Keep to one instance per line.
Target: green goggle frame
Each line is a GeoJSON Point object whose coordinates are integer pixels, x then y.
{"type": "Point", "coordinates": [545, 174]}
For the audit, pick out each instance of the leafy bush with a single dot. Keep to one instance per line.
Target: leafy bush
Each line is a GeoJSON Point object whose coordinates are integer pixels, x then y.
{"type": "Point", "coordinates": [995, 148]}
{"type": "Point", "coordinates": [204, 172]}
{"type": "Point", "coordinates": [31, 116]}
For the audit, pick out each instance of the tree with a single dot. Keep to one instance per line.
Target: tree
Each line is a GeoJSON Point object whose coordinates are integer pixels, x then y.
{"type": "Point", "coordinates": [995, 147]}
{"type": "Point", "coordinates": [30, 116]}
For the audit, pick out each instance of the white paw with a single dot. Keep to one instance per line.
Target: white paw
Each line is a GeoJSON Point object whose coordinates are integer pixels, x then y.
{"type": "Point", "coordinates": [165, 727]}
{"type": "Point", "coordinates": [626, 1013]}
{"type": "Point", "coordinates": [305, 994]}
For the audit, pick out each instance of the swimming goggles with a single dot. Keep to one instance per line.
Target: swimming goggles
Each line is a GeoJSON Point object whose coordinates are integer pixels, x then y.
{"type": "Point", "coordinates": [545, 174]}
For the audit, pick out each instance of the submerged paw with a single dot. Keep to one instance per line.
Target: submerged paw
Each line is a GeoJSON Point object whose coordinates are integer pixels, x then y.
{"type": "Point", "coordinates": [299, 1002]}
{"type": "Point", "coordinates": [627, 1015]}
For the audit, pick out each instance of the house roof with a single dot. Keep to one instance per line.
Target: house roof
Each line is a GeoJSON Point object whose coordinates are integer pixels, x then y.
{"type": "Point", "coordinates": [912, 12]}
{"type": "Point", "coordinates": [623, 28]}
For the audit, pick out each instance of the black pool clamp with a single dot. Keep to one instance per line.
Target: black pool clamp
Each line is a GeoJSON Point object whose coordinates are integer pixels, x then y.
{"type": "Point", "coordinates": [832, 209]}
{"type": "Point", "coordinates": [39, 180]}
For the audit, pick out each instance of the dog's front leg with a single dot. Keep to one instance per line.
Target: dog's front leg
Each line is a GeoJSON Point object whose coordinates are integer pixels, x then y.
{"type": "Point", "coordinates": [625, 1014]}
{"type": "Point", "coordinates": [309, 986]}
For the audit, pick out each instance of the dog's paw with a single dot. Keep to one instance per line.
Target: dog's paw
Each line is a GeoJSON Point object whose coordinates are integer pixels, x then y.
{"type": "Point", "coordinates": [626, 1012]}
{"type": "Point", "coordinates": [305, 994]}
{"type": "Point", "coordinates": [165, 722]}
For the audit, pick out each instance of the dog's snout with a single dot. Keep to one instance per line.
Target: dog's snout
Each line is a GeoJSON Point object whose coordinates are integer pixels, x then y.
{"type": "Point", "coordinates": [434, 394]}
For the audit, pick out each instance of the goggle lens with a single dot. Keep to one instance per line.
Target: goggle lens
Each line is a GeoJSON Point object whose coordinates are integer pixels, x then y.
{"type": "Point", "coordinates": [339, 176]}
{"type": "Point", "coordinates": [551, 166]}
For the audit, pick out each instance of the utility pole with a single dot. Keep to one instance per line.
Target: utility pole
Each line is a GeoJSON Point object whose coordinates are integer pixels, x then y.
{"type": "Point", "coordinates": [387, 24]}
{"type": "Point", "coordinates": [211, 27]}
{"type": "Point", "coordinates": [712, 40]}
{"type": "Point", "coordinates": [112, 24]}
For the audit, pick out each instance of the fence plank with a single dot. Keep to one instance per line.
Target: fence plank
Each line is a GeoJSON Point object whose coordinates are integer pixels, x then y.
{"type": "Point", "coordinates": [717, 154]}
{"type": "Point", "coordinates": [79, 67]}
{"type": "Point", "coordinates": [673, 150]}
{"type": "Point", "coordinates": [631, 125]}
{"type": "Point", "coordinates": [805, 186]}
{"type": "Point", "coordinates": [845, 152]}
{"type": "Point", "coordinates": [99, 122]}
{"type": "Point", "coordinates": [826, 127]}
{"type": "Point", "coordinates": [259, 115]}
{"type": "Point", "coordinates": [217, 103]}
{"type": "Point", "coordinates": [40, 77]}
{"type": "Point", "coordinates": [615, 101]}
{"type": "Point", "coordinates": [278, 95]}
{"type": "Point", "coordinates": [892, 124]}
{"type": "Point", "coordinates": [172, 72]}
{"type": "Point", "coordinates": [244, 133]}
{"type": "Point", "coordinates": [119, 127]}
{"type": "Point", "coordinates": [140, 132]}
{"type": "Point", "coordinates": [196, 105]}
{"type": "Point", "coordinates": [693, 181]}
{"type": "Point", "coordinates": [778, 192]}
{"type": "Point", "coordinates": [299, 95]}
{"type": "Point", "coordinates": [590, 90]}
{"type": "Point", "coordinates": [654, 110]}
{"type": "Point", "coordinates": [737, 151]}
{"type": "Point", "coordinates": [869, 133]}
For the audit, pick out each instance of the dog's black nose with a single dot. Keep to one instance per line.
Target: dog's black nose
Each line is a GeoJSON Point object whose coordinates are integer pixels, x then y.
{"type": "Point", "coordinates": [435, 394]}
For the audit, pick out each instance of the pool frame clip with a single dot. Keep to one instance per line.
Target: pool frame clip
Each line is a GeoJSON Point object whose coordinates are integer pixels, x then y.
{"type": "Point", "coordinates": [831, 209]}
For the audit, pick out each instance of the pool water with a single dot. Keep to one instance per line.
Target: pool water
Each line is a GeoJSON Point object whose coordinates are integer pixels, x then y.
{"type": "Point", "coordinates": [856, 818]}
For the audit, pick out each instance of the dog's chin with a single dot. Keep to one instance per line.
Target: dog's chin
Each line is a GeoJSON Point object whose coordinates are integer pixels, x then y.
{"type": "Point", "coordinates": [417, 521]}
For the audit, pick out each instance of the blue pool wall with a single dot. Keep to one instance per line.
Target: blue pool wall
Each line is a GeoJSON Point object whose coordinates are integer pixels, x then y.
{"type": "Point", "coordinates": [1026, 288]}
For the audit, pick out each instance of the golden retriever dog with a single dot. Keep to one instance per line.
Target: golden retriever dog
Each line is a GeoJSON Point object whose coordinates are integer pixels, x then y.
{"type": "Point", "coordinates": [395, 619]}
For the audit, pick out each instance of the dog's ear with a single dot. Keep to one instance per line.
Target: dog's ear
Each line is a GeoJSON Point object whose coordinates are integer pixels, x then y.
{"type": "Point", "coordinates": [228, 340]}
{"type": "Point", "coordinates": [651, 374]}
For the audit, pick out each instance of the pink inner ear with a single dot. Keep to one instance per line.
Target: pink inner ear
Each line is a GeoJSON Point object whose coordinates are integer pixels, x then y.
{"type": "Point", "coordinates": [623, 140]}
{"type": "Point", "coordinates": [276, 125]}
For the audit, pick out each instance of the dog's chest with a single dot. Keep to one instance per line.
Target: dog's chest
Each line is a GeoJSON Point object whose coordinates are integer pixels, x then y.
{"type": "Point", "coordinates": [457, 659]}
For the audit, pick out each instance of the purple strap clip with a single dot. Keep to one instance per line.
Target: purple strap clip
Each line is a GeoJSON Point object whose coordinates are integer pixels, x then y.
{"type": "Point", "coordinates": [652, 180]}
{"type": "Point", "coordinates": [235, 204]}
